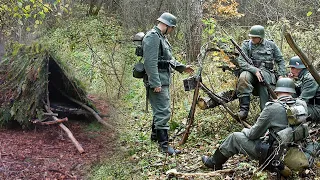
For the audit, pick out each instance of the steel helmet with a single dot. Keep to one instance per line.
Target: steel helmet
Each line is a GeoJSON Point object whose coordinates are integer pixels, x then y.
{"type": "Point", "coordinates": [285, 85]}
{"type": "Point", "coordinates": [257, 31]}
{"type": "Point", "coordinates": [168, 19]}
{"type": "Point", "coordinates": [296, 62]}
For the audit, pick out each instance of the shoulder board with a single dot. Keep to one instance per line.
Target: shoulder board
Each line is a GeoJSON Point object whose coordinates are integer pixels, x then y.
{"type": "Point", "coordinates": [270, 40]}
{"type": "Point", "coordinates": [269, 103]}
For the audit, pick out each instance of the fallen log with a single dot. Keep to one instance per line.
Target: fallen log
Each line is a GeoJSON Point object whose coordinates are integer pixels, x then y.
{"type": "Point", "coordinates": [69, 133]}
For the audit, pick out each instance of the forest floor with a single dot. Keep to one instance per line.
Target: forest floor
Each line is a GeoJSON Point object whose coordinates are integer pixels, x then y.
{"type": "Point", "coordinates": [46, 152]}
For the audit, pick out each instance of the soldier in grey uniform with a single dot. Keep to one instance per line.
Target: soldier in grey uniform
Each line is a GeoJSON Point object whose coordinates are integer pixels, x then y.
{"type": "Point", "coordinates": [158, 63]}
{"type": "Point", "coordinates": [307, 88]}
{"type": "Point", "coordinates": [264, 54]}
{"type": "Point", "coordinates": [272, 118]}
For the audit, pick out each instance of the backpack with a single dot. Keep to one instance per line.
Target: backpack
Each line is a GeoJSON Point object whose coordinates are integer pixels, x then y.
{"type": "Point", "coordinates": [138, 69]}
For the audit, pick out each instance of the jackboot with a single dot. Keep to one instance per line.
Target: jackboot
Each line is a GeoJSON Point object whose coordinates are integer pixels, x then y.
{"type": "Point", "coordinates": [244, 103]}
{"type": "Point", "coordinates": [153, 136]}
{"type": "Point", "coordinates": [164, 146]}
{"type": "Point", "coordinates": [215, 161]}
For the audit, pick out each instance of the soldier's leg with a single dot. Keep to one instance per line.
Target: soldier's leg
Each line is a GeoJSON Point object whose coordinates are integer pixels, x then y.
{"type": "Point", "coordinates": [263, 96]}
{"type": "Point", "coordinates": [160, 103]}
{"type": "Point", "coordinates": [244, 89]}
{"type": "Point", "coordinates": [263, 91]}
{"type": "Point", "coordinates": [236, 143]}
{"type": "Point", "coordinates": [314, 113]}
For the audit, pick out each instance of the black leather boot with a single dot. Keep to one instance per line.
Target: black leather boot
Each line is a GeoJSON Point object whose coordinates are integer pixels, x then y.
{"type": "Point", "coordinates": [215, 161]}
{"type": "Point", "coordinates": [153, 136]}
{"type": "Point", "coordinates": [164, 146]}
{"type": "Point", "coordinates": [244, 103]}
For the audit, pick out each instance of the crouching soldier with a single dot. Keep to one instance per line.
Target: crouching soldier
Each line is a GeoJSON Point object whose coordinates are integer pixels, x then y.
{"type": "Point", "coordinates": [307, 87]}
{"type": "Point", "coordinates": [273, 118]}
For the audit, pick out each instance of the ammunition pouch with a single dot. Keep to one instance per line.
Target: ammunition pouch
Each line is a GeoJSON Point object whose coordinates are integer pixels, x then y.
{"type": "Point", "coordinates": [163, 65]}
{"type": "Point", "coordinates": [256, 63]}
{"type": "Point", "coordinates": [139, 71]}
{"type": "Point", "coordinates": [269, 65]}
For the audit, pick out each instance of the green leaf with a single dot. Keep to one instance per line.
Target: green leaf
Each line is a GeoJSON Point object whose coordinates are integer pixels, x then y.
{"type": "Point", "coordinates": [309, 13]}
{"type": "Point", "coordinates": [28, 29]}
{"type": "Point", "coordinates": [27, 15]}
{"type": "Point", "coordinates": [37, 22]}
{"type": "Point", "coordinates": [27, 7]}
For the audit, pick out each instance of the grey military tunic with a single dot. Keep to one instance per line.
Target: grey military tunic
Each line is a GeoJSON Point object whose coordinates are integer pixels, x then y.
{"type": "Point", "coordinates": [264, 55]}
{"type": "Point", "coordinates": [273, 117]}
{"type": "Point", "coordinates": [158, 63]}
{"type": "Point", "coordinates": [309, 91]}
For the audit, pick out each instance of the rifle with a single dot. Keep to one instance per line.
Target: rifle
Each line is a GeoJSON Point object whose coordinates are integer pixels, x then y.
{"type": "Point", "coordinates": [248, 60]}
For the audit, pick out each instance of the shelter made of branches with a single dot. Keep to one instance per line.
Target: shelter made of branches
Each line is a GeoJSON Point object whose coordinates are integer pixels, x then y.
{"type": "Point", "coordinates": [31, 78]}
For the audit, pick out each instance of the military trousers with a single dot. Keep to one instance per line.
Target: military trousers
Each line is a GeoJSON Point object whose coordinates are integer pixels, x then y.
{"type": "Point", "coordinates": [238, 142]}
{"type": "Point", "coordinates": [160, 103]}
{"type": "Point", "coordinates": [314, 112]}
{"type": "Point", "coordinates": [248, 83]}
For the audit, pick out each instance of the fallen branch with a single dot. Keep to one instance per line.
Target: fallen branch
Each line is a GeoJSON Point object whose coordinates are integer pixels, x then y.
{"type": "Point", "coordinates": [175, 173]}
{"type": "Point", "coordinates": [69, 133]}
{"type": "Point", "coordinates": [50, 114]}
{"type": "Point", "coordinates": [50, 122]}
{"type": "Point", "coordinates": [94, 113]}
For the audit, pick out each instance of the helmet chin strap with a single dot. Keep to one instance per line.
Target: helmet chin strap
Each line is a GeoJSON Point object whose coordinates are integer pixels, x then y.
{"type": "Point", "coordinates": [166, 30]}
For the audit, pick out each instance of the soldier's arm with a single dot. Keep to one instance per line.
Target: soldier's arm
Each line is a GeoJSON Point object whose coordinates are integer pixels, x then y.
{"type": "Point", "coordinates": [176, 65]}
{"type": "Point", "coordinates": [242, 62]}
{"type": "Point", "coordinates": [150, 55]}
{"type": "Point", "coordinates": [309, 88]}
{"type": "Point", "coordinates": [261, 126]}
{"type": "Point", "coordinates": [279, 60]}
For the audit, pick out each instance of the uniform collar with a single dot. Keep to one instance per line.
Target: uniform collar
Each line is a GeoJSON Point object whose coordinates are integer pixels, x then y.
{"type": "Point", "coordinates": [263, 43]}
{"type": "Point", "coordinates": [302, 73]}
{"type": "Point", "coordinates": [158, 30]}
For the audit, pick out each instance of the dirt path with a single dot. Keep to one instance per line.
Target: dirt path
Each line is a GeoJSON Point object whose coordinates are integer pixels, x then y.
{"type": "Point", "coordinates": [47, 152]}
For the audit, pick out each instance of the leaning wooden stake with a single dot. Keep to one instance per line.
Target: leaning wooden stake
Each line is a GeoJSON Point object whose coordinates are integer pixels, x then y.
{"type": "Point", "coordinates": [303, 57]}
{"type": "Point", "coordinates": [69, 133]}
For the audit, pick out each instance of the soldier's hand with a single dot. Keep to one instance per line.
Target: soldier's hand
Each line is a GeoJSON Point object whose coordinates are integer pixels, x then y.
{"type": "Point", "coordinates": [189, 69]}
{"type": "Point", "coordinates": [259, 76]}
{"type": "Point", "coordinates": [157, 89]}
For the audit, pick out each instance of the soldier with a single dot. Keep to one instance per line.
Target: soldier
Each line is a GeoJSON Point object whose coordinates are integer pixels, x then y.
{"type": "Point", "coordinates": [264, 54]}
{"type": "Point", "coordinates": [158, 62]}
{"type": "Point", "coordinates": [307, 88]}
{"type": "Point", "coordinates": [273, 118]}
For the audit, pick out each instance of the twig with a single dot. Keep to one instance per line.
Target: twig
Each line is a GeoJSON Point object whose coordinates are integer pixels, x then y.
{"type": "Point", "coordinates": [50, 122]}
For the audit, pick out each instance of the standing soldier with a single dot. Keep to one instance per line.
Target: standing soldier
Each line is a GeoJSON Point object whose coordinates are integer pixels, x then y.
{"type": "Point", "coordinates": [273, 118]}
{"type": "Point", "coordinates": [307, 88]}
{"type": "Point", "coordinates": [158, 62]}
{"type": "Point", "coordinates": [264, 54]}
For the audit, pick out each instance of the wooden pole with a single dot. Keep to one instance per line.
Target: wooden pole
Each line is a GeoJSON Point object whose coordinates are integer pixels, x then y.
{"type": "Point", "coordinates": [69, 133]}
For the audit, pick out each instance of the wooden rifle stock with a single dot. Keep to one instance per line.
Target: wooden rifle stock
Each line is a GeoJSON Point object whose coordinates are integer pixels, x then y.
{"type": "Point", "coordinates": [192, 111]}
{"type": "Point", "coordinates": [245, 57]}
